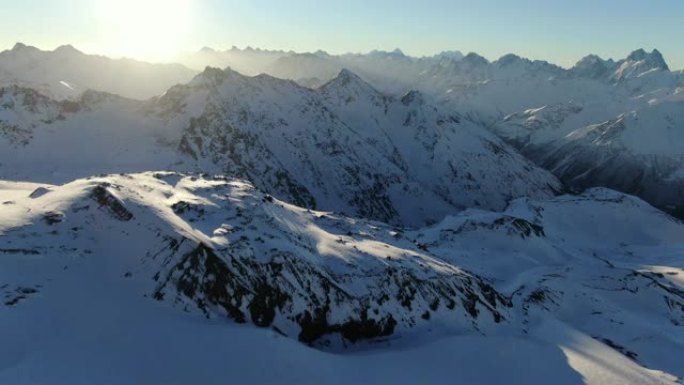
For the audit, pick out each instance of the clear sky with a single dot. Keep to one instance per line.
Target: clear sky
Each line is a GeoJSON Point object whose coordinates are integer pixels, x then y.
{"type": "Point", "coordinates": [561, 31]}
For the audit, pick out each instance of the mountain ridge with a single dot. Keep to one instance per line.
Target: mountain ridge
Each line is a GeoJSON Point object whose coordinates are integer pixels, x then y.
{"type": "Point", "coordinates": [290, 141]}
{"type": "Point", "coordinates": [346, 214]}
{"type": "Point", "coordinates": [217, 248]}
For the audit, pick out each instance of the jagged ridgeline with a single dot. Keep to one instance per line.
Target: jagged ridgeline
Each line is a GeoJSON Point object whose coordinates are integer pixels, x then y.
{"type": "Point", "coordinates": [605, 143]}
{"type": "Point", "coordinates": [224, 249]}
{"type": "Point", "coordinates": [355, 202]}
{"type": "Point", "coordinates": [344, 147]}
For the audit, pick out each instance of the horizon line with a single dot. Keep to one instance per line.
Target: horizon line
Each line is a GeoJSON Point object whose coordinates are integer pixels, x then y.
{"type": "Point", "coordinates": [397, 50]}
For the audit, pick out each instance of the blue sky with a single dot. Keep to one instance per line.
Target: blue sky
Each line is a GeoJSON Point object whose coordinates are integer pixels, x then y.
{"type": "Point", "coordinates": [561, 31]}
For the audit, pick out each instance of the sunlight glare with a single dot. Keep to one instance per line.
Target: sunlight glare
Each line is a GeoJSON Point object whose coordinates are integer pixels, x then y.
{"type": "Point", "coordinates": [155, 30]}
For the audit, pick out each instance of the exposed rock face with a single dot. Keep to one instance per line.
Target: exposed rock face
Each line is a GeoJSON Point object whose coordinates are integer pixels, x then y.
{"type": "Point", "coordinates": [349, 148]}
{"type": "Point", "coordinates": [289, 294]}
{"type": "Point", "coordinates": [110, 203]}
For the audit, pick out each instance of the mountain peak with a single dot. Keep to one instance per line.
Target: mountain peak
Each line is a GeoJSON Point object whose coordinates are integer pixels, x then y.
{"type": "Point", "coordinates": [654, 59]}
{"type": "Point", "coordinates": [636, 55]}
{"type": "Point", "coordinates": [346, 83]}
{"type": "Point", "coordinates": [475, 60]}
{"type": "Point", "coordinates": [212, 76]}
{"type": "Point", "coordinates": [453, 55]}
{"type": "Point", "coordinates": [589, 59]}
{"type": "Point", "coordinates": [346, 75]}
{"type": "Point", "coordinates": [639, 63]}
{"type": "Point", "coordinates": [67, 48]}
{"type": "Point", "coordinates": [592, 66]}
{"type": "Point", "coordinates": [347, 78]}
{"type": "Point", "coordinates": [397, 53]}
{"type": "Point", "coordinates": [509, 59]}
{"type": "Point", "coordinates": [21, 47]}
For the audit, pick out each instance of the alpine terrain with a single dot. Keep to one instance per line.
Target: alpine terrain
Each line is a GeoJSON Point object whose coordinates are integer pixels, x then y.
{"type": "Point", "coordinates": [254, 216]}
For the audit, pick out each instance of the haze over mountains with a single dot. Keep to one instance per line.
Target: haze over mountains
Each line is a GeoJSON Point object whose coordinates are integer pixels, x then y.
{"type": "Point", "coordinates": [644, 160]}
{"type": "Point", "coordinates": [67, 72]}
{"type": "Point", "coordinates": [344, 147]}
{"type": "Point", "coordinates": [415, 208]}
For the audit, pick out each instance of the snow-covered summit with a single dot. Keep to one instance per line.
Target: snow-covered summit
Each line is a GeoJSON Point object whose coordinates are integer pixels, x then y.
{"type": "Point", "coordinates": [593, 66]}
{"type": "Point", "coordinates": [639, 63]}
{"type": "Point", "coordinates": [588, 276]}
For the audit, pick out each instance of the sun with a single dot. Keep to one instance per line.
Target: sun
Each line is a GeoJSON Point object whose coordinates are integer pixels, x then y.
{"type": "Point", "coordinates": [155, 30]}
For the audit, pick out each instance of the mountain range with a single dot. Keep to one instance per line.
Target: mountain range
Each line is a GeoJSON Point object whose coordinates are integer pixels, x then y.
{"type": "Point", "coordinates": [358, 218]}
{"type": "Point", "coordinates": [489, 94]}
{"type": "Point", "coordinates": [343, 147]}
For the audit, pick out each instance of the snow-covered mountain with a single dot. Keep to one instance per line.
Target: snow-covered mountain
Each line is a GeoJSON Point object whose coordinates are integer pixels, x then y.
{"type": "Point", "coordinates": [391, 71]}
{"type": "Point", "coordinates": [349, 148]}
{"type": "Point", "coordinates": [96, 259]}
{"type": "Point", "coordinates": [249, 61]}
{"type": "Point", "coordinates": [369, 218]}
{"type": "Point", "coordinates": [344, 147]}
{"type": "Point", "coordinates": [67, 72]}
{"type": "Point", "coordinates": [485, 90]}
{"type": "Point", "coordinates": [547, 112]}
{"type": "Point", "coordinates": [629, 140]}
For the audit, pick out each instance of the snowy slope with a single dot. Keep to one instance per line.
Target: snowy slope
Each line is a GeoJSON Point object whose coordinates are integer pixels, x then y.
{"type": "Point", "coordinates": [607, 123]}
{"type": "Point", "coordinates": [633, 146]}
{"type": "Point", "coordinates": [45, 140]}
{"type": "Point", "coordinates": [22, 110]}
{"type": "Point", "coordinates": [584, 286]}
{"type": "Point", "coordinates": [344, 147]}
{"type": "Point", "coordinates": [66, 72]}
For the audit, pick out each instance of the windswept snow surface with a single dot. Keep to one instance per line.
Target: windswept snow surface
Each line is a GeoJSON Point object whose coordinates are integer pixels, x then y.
{"type": "Point", "coordinates": [171, 278]}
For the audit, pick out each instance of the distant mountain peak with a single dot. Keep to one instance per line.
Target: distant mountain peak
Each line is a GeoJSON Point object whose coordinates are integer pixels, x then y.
{"type": "Point", "coordinates": [654, 59]}
{"type": "Point", "coordinates": [453, 55]}
{"type": "Point", "coordinates": [591, 58]}
{"type": "Point", "coordinates": [21, 47]}
{"type": "Point", "coordinates": [593, 66]}
{"type": "Point", "coordinates": [68, 48]}
{"type": "Point", "coordinates": [640, 63]}
{"type": "Point", "coordinates": [509, 59]}
{"type": "Point", "coordinates": [347, 79]}
{"type": "Point", "coordinates": [475, 60]}
{"type": "Point", "coordinates": [211, 76]}
{"type": "Point", "coordinates": [349, 86]}
{"type": "Point", "coordinates": [396, 53]}
{"type": "Point", "coordinates": [347, 75]}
